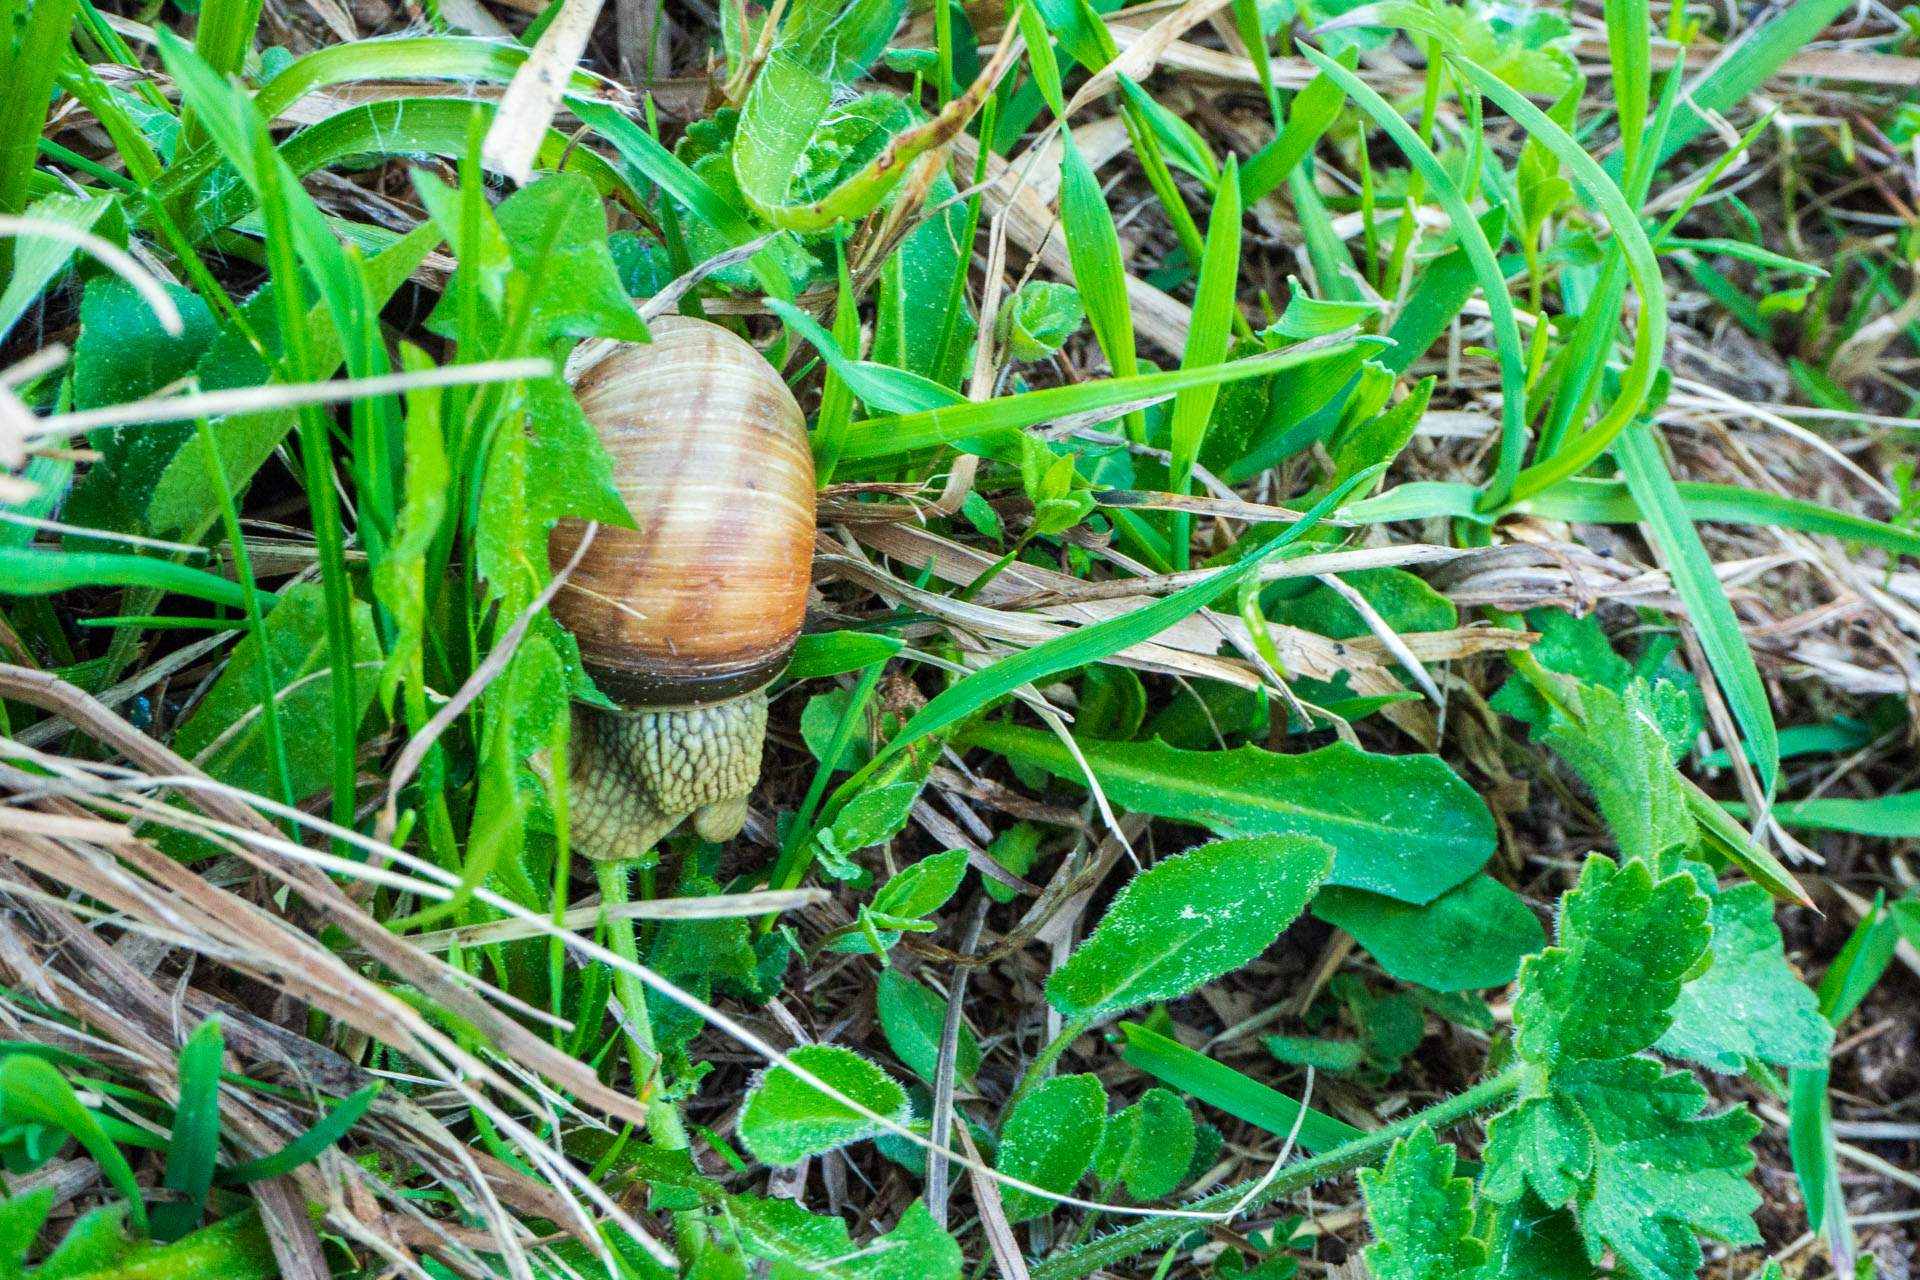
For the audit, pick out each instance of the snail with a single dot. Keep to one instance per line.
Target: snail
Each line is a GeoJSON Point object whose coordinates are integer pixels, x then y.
{"type": "Point", "coordinates": [685, 620]}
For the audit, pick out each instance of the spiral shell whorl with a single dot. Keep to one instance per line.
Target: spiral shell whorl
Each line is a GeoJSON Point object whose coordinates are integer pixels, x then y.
{"type": "Point", "coordinates": [704, 599]}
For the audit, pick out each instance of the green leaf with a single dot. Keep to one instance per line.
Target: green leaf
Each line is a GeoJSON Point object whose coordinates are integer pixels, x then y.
{"type": "Point", "coordinates": [1671, 530]}
{"type": "Point", "coordinates": [1433, 834]}
{"type": "Point", "coordinates": [32, 1091]}
{"type": "Point", "coordinates": [1472, 936]}
{"type": "Point", "coordinates": [1661, 1171]}
{"type": "Point", "coordinates": [785, 1119]}
{"type": "Point", "coordinates": [1148, 1146]}
{"type": "Point", "coordinates": [802, 1244]}
{"type": "Point", "coordinates": [1620, 751]}
{"type": "Point", "coordinates": [1749, 1005]}
{"type": "Point", "coordinates": [913, 1016]}
{"type": "Point", "coordinates": [556, 232]}
{"type": "Point", "coordinates": [1037, 321]}
{"type": "Point", "coordinates": [831, 653]}
{"type": "Point", "coordinates": [1309, 317]}
{"type": "Point", "coordinates": [1234, 1092]}
{"type": "Point", "coordinates": [1188, 920]}
{"type": "Point", "coordinates": [100, 1247]}
{"type": "Point", "coordinates": [194, 1143]}
{"type": "Point", "coordinates": [878, 813]}
{"type": "Point", "coordinates": [1542, 1143]}
{"type": "Point", "coordinates": [227, 725]}
{"type": "Point", "coordinates": [1049, 1139]}
{"type": "Point", "coordinates": [923, 887]}
{"type": "Point", "coordinates": [1626, 943]}
{"type": "Point", "coordinates": [39, 258]}
{"type": "Point", "coordinates": [1422, 1215]}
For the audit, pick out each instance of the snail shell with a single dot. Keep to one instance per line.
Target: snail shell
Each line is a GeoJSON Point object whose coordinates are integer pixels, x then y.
{"type": "Point", "coordinates": [703, 601]}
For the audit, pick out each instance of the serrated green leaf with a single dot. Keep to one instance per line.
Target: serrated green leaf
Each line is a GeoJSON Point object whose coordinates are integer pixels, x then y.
{"type": "Point", "coordinates": [1748, 1005]}
{"type": "Point", "coordinates": [1620, 751]}
{"type": "Point", "coordinates": [785, 1119]}
{"type": "Point", "coordinates": [1049, 1139]}
{"type": "Point", "coordinates": [556, 233]}
{"type": "Point", "coordinates": [1662, 1171]}
{"type": "Point", "coordinates": [1540, 1143]}
{"type": "Point", "coordinates": [1189, 919]}
{"type": "Point", "coordinates": [1606, 988]}
{"type": "Point", "coordinates": [1404, 826]}
{"type": "Point", "coordinates": [1421, 1214]}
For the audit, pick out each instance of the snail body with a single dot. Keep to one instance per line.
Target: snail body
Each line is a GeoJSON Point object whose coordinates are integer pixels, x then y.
{"type": "Point", "coordinates": [686, 619]}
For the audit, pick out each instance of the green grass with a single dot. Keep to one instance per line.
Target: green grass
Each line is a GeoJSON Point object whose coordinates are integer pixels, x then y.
{"type": "Point", "coordinates": [1454, 322]}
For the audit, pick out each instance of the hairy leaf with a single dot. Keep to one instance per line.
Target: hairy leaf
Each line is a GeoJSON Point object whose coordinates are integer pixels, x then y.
{"type": "Point", "coordinates": [1049, 1140]}
{"type": "Point", "coordinates": [1422, 1215]}
{"type": "Point", "coordinates": [1189, 919]}
{"type": "Point", "coordinates": [1606, 987]}
{"type": "Point", "coordinates": [786, 1119]}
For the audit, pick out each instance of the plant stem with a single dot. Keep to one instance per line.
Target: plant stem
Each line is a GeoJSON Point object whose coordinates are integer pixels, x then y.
{"type": "Point", "coordinates": [1151, 1233]}
{"type": "Point", "coordinates": [662, 1117]}
{"type": "Point", "coordinates": [1073, 1030]}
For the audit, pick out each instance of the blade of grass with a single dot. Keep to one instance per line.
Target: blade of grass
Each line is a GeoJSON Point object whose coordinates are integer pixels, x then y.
{"type": "Point", "coordinates": [1486, 267]}
{"type": "Point", "coordinates": [1651, 335]}
{"type": "Point", "coordinates": [1673, 532]}
{"type": "Point", "coordinates": [1214, 308]}
{"type": "Point", "coordinates": [1234, 1092]}
{"type": "Point", "coordinates": [194, 1143]}
{"type": "Point", "coordinates": [901, 433]}
{"type": "Point", "coordinates": [27, 69]}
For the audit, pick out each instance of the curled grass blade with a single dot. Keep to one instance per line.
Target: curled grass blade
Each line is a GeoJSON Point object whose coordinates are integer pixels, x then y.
{"type": "Point", "coordinates": [1650, 340]}
{"type": "Point", "coordinates": [1486, 267]}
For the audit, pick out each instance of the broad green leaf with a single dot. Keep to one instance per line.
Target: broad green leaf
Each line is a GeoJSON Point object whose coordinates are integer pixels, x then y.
{"type": "Point", "coordinates": [913, 1016]}
{"type": "Point", "coordinates": [1662, 1172]}
{"type": "Point", "coordinates": [1541, 1142]}
{"type": "Point", "coordinates": [556, 232]}
{"type": "Point", "coordinates": [1407, 827]}
{"type": "Point", "coordinates": [923, 887]}
{"type": "Point", "coordinates": [802, 1244]}
{"type": "Point", "coordinates": [224, 734]}
{"type": "Point", "coordinates": [1749, 1005]}
{"type": "Point", "coordinates": [1625, 945]}
{"type": "Point", "coordinates": [785, 1119]}
{"type": "Point", "coordinates": [1148, 1146]}
{"type": "Point", "coordinates": [1620, 751]}
{"type": "Point", "coordinates": [1422, 1215]}
{"type": "Point", "coordinates": [1234, 1092]}
{"type": "Point", "coordinates": [1188, 920]}
{"type": "Point", "coordinates": [1049, 1139]}
{"type": "Point", "coordinates": [123, 354]}
{"type": "Point", "coordinates": [99, 1246]}
{"type": "Point", "coordinates": [1474, 935]}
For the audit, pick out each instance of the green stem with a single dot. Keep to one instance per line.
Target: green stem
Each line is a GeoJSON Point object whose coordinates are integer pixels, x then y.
{"type": "Point", "coordinates": [1042, 1065]}
{"type": "Point", "coordinates": [1111, 1250]}
{"type": "Point", "coordinates": [662, 1118]}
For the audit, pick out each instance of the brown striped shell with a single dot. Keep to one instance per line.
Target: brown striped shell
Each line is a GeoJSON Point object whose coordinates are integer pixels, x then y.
{"type": "Point", "coordinates": [704, 600]}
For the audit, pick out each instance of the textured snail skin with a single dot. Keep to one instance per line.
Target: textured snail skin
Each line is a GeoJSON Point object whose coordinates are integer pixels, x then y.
{"type": "Point", "coordinates": [685, 620]}
{"type": "Point", "coordinates": [638, 774]}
